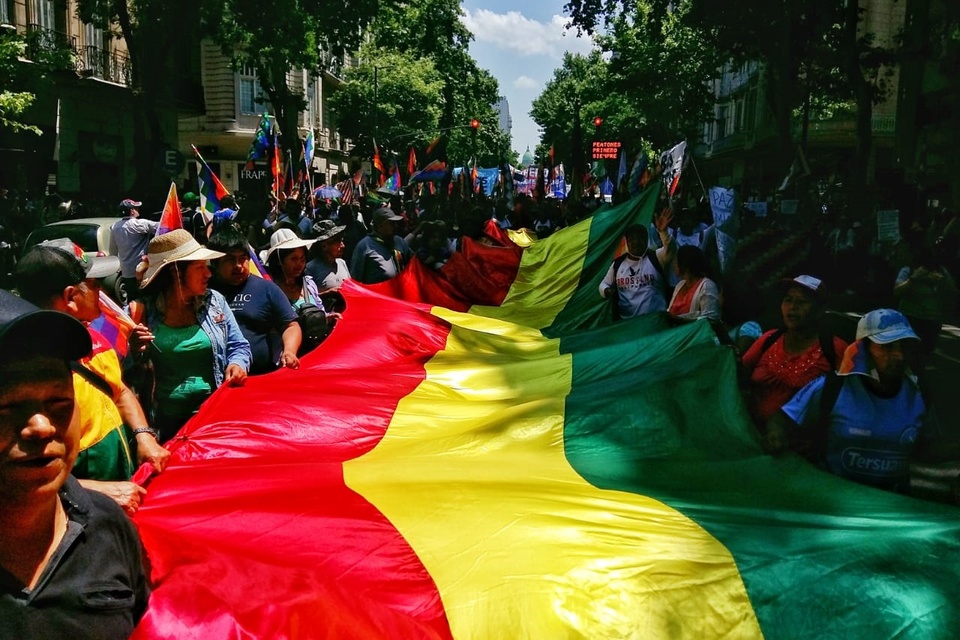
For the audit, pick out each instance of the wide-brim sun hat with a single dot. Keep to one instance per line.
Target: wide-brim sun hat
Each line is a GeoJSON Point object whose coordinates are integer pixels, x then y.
{"type": "Point", "coordinates": [176, 246]}
{"type": "Point", "coordinates": [284, 239]}
{"type": "Point", "coordinates": [326, 229]}
{"type": "Point", "coordinates": [884, 326]}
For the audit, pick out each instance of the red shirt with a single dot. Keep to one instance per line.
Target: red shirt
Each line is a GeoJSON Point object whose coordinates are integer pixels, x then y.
{"type": "Point", "coordinates": [776, 375]}
{"type": "Point", "coordinates": [681, 303]}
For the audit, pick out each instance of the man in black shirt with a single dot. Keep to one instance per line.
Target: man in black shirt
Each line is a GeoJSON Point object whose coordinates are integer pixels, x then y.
{"type": "Point", "coordinates": [70, 560]}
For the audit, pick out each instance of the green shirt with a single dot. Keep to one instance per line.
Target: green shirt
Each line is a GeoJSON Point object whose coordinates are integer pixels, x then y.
{"type": "Point", "coordinates": [183, 363]}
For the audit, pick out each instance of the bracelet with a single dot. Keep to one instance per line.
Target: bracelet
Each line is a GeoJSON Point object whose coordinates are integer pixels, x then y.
{"type": "Point", "coordinates": [149, 430]}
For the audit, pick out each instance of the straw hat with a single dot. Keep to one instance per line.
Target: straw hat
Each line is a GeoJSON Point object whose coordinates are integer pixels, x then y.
{"type": "Point", "coordinates": [175, 246]}
{"type": "Point", "coordinates": [284, 239]}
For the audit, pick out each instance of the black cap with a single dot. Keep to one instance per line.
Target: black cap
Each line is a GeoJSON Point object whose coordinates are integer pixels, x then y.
{"type": "Point", "coordinates": [51, 266]}
{"type": "Point", "coordinates": [27, 330]}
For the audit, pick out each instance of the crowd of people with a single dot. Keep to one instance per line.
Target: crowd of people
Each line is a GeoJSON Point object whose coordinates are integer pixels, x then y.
{"type": "Point", "coordinates": [205, 321]}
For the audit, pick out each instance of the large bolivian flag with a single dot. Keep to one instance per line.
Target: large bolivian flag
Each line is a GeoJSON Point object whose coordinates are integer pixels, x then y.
{"type": "Point", "coordinates": [524, 470]}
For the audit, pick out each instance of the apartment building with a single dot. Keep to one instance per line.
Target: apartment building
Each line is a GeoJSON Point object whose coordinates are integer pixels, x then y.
{"type": "Point", "coordinates": [234, 103]}
{"type": "Point", "coordinates": [739, 145]}
{"type": "Point", "coordinates": [83, 106]}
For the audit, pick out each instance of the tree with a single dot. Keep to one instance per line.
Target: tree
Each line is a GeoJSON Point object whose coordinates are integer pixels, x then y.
{"type": "Point", "coordinates": [653, 91]}
{"type": "Point", "coordinates": [433, 29]}
{"type": "Point", "coordinates": [158, 34]}
{"type": "Point", "coordinates": [407, 107]}
{"type": "Point", "coordinates": [276, 37]}
{"type": "Point", "coordinates": [815, 55]}
{"type": "Point", "coordinates": [13, 104]}
{"type": "Point", "coordinates": [570, 100]}
{"type": "Point", "coordinates": [659, 71]}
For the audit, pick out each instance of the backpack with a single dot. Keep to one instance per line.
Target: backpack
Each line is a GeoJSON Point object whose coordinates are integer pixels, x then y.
{"type": "Point", "coordinates": [615, 299]}
{"type": "Point", "coordinates": [313, 325]}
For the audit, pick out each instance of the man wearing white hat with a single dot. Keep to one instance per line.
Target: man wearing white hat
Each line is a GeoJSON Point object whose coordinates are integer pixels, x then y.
{"type": "Point", "coordinates": [863, 423]}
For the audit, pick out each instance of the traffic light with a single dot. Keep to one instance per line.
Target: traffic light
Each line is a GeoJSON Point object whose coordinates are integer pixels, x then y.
{"type": "Point", "coordinates": [597, 121]}
{"type": "Point", "coordinates": [475, 124]}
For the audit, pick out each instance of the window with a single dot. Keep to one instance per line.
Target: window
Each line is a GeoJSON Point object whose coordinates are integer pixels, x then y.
{"type": "Point", "coordinates": [6, 16]}
{"type": "Point", "coordinates": [721, 122]}
{"type": "Point", "coordinates": [92, 36]}
{"type": "Point", "coordinates": [42, 14]}
{"type": "Point", "coordinates": [251, 94]}
{"type": "Point", "coordinates": [311, 104]}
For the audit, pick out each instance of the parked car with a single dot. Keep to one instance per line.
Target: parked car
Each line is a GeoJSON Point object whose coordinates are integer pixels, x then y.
{"type": "Point", "coordinates": [92, 235]}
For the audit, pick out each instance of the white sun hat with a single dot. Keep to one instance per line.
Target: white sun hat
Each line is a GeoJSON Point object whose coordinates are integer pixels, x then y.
{"type": "Point", "coordinates": [176, 246]}
{"type": "Point", "coordinates": [284, 239]}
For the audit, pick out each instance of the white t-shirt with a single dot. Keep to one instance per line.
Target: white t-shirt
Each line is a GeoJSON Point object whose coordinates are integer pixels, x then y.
{"type": "Point", "coordinates": [638, 285]}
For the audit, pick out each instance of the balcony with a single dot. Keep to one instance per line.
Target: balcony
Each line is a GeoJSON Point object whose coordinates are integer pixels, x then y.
{"type": "Point", "coordinates": [106, 65]}
{"type": "Point", "coordinates": [51, 47]}
{"type": "Point", "coordinates": [61, 51]}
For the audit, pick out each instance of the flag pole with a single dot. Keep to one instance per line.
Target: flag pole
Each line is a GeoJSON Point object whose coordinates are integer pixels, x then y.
{"type": "Point", "coordinates": [699, 179]}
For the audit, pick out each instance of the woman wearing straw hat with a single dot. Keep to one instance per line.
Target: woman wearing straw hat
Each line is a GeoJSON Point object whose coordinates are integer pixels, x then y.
{"type": "Point", "coordinates": [286, 262]}
{"type": "Point", "coordinates": [198, 345]}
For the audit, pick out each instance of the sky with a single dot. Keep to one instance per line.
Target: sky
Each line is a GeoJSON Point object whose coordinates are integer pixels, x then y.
{"type": "Point", "coordinates": [520, 43]}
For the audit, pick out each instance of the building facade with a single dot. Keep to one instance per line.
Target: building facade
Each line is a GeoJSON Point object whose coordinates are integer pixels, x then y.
{"type": "Point", "coordinates": [740, 146]}
{"type": "Point", "coordinates": [82, 77]}
{"type": "Point", "coordinates": [234, 103]}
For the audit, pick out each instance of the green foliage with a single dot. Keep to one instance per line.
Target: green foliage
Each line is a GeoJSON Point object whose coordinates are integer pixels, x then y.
{"type": "Point", "coordinates": [408, 108]}
{"type": "Point", "coordinates": [433, 30]}
{"type": "Point", "coordinates": [576, 87]}
{"type": "Point", "coordinates": [653, 91]}
{"type": "Point", "coordinates": [13, 104]}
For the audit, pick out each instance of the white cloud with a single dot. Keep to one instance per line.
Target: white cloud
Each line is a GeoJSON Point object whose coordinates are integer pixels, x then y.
{"type": "Point", "coordinates": [525, 82]}
{"type": "Point", "coordinates": [515, 32]}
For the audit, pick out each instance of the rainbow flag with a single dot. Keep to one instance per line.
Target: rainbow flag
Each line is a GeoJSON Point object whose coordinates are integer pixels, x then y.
{"type": "Point", "coordinates": [520, 466]}
{"type": "Point", "coordinates": [171, 218]}
{"type": "Point", "coordinates": [433, 172]}
{"type": "Point", "coordinates": [210, 188]}
{"type": "Point", "coordinates": [261, 142]}
{"type": "Point", "coordinates": [378, 163]}
{"type": "Point", "coordinates": [114, 324]}
{"type": "Point", "coordinates": [257, 267]}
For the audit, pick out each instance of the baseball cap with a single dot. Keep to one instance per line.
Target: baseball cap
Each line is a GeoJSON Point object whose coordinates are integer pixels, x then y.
{"type": "Point", "coordinates": [190, 197]}
{"type": "Point", "coordinates": [385, 213]}
{"type": "Point", "coordinates": [130, 204]}
{"type": "Point", "coordinates": [51, 266]}
{"type": "Point", "coordinates": [884, 326]}
{"type": "Point", "coordinates": [25, 329]}
{"type": "Point", "coordinates": [807, 282]}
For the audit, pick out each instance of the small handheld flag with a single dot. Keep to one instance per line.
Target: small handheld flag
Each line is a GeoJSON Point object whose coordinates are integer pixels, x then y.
{"type": "Point", "coordinates": [261, 142]}
{"type": "Point", "coordinates": [171, 218]}
{"type": "Point", "coordinates": [211, 189]}
{"type": "Point", "coordinates": [671, 163]}
{"type": "Point", "coordinates": [114, 324]}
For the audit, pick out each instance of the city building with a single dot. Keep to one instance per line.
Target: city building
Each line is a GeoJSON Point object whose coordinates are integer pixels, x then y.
{"type": "Point", "coordinates": [740, 146]}
{"type": "Point", "coordinates": [503, 111]}
{"type": "Point", "coordinates": [234, 105]}
{"type": "Point", "coordinates": [928, 132]}
{"type": "Point", "coordinates": [84, 106]}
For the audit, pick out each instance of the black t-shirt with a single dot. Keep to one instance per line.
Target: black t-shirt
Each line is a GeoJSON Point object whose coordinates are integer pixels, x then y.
{"type": "Point", "coordinates": [263, 312]}
{"type": "Point", "coordinates": [94, 584]}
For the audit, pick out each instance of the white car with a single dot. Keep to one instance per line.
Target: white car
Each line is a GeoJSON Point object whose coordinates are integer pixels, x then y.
{"type": "Point", "coordinates": [92, 235]}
